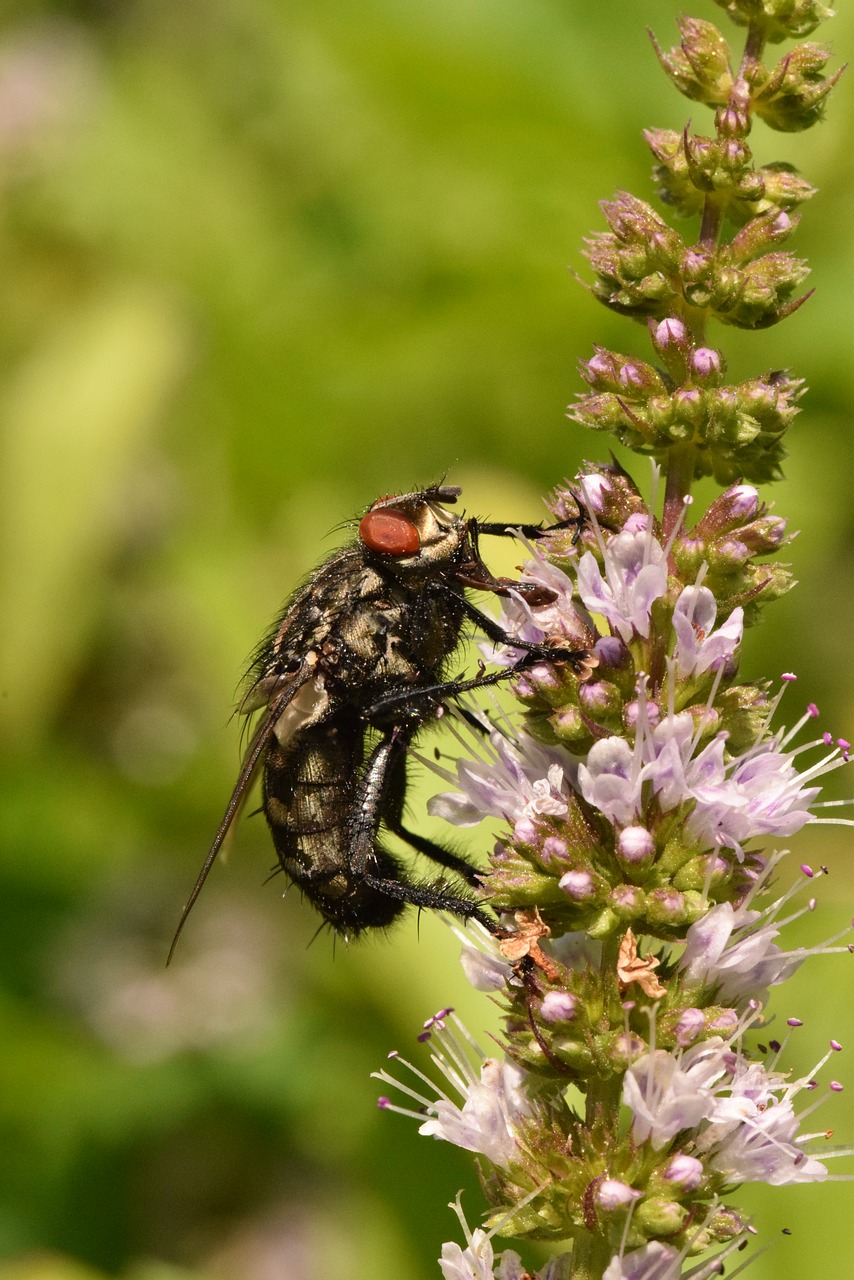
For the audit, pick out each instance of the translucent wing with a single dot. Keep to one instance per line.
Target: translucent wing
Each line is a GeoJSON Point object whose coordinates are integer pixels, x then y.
{"type": "Point", "coordinates": [254, 754]}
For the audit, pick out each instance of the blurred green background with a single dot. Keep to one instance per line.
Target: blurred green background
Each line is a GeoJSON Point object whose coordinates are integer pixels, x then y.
{"type": "Point", "coordinates": [261, 262]}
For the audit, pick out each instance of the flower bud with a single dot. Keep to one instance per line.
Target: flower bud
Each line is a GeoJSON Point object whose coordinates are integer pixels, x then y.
{"type": "Point", "coordinates": [791, 96]}
{"type": "Point", "coordinates": [671, 173]}
{"type": "Point", "coordinates": [558, 1006]}
{"type": "Point", "coordinates": [785, 188]}
{"type": "Point", "coordinates": [601, 702]}
{"type": "Point", "coordinates": [761, 234]}
{"type": "Point", "coordinates": [700, 67]}
{"type": "Point", "coordinates": [609, 371]}
{"type": "Point", "coordinates": [691, 1023]}
{"type": "Point", "coordinates": [635, 846]}
{"type": "Point", "coordinates": [732, 122]}
{"type": "Point", "coordinates": [738, 503]}
{"type": "Point", "coordinates": [658, 1216]}
{"type": "Point", "coordinates": [685, 1171]}
{"type": "Point", "coordinates": [568, 726]}
{"type": "Point", "coordinates": [778, 19]}
{"type": "Point", "coordinates": [578, 885]}
{"type": "Point", "coordinates": [612, 1193]}
{"type": "Point", "coordinates": [706, 364]}
{"type": "Point", "coordinates": [636, 261]}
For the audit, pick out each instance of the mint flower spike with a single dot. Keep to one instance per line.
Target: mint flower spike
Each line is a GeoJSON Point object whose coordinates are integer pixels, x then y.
{"type": "Point", "coordinates": [637, 935]}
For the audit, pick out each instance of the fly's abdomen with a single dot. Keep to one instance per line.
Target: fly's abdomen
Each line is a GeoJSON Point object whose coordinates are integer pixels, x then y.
{"type": "Point", "coordinates": [310, 785]}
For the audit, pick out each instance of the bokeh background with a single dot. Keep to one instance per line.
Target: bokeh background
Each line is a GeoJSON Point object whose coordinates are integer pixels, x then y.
{"type": "Point", "coordinates": [263, 260]}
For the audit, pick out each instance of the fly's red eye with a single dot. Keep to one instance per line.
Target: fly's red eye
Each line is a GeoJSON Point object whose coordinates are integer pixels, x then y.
{"type": "Point", "coordinates": [389, 533]}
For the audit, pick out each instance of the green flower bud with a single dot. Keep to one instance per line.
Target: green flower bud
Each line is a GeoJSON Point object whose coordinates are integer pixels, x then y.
{"type": "Point", "coordinates": [761, 234]}
{"type": "Point", "coordinates": [784, 187]}
{"type": "Point", "coordinates": [700, 68]}
{"type": "Point", "coordinates": [791, 96]}
{"type": "Point", "coordinates": [671, 175]}
{"type": "Point", "coordinates": [636, 260]}
{"type": "Point", "coordinates": [657, 1217]}
{"type": "Point", "coordinates": [778, 19]}
{"type": "Point", "coordinates": [744, 711]}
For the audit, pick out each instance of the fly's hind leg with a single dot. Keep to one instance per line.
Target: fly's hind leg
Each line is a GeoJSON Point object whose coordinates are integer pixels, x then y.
{"type": "Point", "coordinates": [379, 799]}
{"type": "Point", "coordinates": [393, 819]}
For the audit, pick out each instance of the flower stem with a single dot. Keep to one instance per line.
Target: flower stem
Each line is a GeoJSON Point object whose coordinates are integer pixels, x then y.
{"type": "Point", "coordinates": [680, 473]}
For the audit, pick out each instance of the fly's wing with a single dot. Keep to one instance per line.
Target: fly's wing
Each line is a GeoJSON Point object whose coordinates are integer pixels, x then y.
{"type": "Point", "coordinates": [266, 730]}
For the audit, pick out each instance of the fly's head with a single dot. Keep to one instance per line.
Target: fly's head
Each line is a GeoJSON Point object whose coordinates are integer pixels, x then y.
{"type": "Point", "coordinates": [414, 535]}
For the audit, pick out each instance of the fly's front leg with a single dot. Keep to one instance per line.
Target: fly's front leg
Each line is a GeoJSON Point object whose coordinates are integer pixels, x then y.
{"type": "Point", "coordinates": [494, 529]}
{"type": "Point", "coordinates": [578, 659]}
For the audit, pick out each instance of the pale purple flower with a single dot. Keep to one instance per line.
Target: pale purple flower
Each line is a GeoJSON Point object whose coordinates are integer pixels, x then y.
{"type": "Point", "coordinates": [751, 1132]}
{"type": "Point", "coordinates": [667, 1093]}
{"type": "Point", "coordinates": [635, 576]}
{"type": "Point", "coordinates": [731, 952]}
{"type": "Point", "coordinates": [481, 960]}
{"type": "Point", "coordinates": [611, 780]}
{"type": "Point", "coordinates": [699, 647]}
{"type": "Point", "coordinates": [518, 780]}
{"type": "Point", "coordinates": [494, 1102]}
{"type": "Point", "coordinates": [596, 488]}
{"type": "Point", "coordinates": [492, 1108]}
{"type": "Point", "coordinates": [475, 1262]}
{"type": "Point", "coordinates": [653, 1261]}
{"type": "Point", "coordinates": [760, 793]}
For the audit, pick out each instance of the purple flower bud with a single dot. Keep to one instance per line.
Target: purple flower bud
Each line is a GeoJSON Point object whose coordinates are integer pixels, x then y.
{"type": "Point", "coordinates": [667, 906]}
{"type": "Point", "coordinates": [602, 365]}
{"type": "Point", "coordinates": [632, 711]}
{"type": "Point", "coordinates": [595, 489]}
{"type": "Point", "coordinates": [670, 332]}
{"type": "Point", "coordinates": [630, 376]}
{"type": "Point", "coordinates": [614, 1194]}
{"type": "Point", "coordinates": [687, 400]}
{"type": "Point", "coordinates": [525, 831]}
{"type": "Point", "coordinates": [554, 847]}
{"type": "Point", "coordinates": [612, 652]}
{"type": "Point", "coordinates": [626, 900]}
{"type": "Point", "coordinates": [635, 844]}
{"type": "Point", "coordinates": [706, 362]}
{"type": "Point", "coordinates": [732, 123]}
{"type": "Point", "coordinates": [577, 885]}
{"type": "Point", "coordinates": [741, 502]}
{"type": "Point", "coordinates": [597, 698]}
{"type": "Point", "coordinates": [558, 1006]}
{"type": "Point", "coordinates": [685, 1171]}
{"type": "Point", "coordinates": [725, 1021]}
{"type": "Point", "coordinates": [734, 154]}
{"type": "Point", "coordinates": [729, 551]}
{"type": "Point", "coordinates": [689, 1026]}
{"type": "Point", "coordinates": [695, 263]}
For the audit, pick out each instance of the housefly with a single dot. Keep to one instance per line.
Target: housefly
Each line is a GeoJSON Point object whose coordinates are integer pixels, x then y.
{"type": "Point", "coordinates": [348, 675]}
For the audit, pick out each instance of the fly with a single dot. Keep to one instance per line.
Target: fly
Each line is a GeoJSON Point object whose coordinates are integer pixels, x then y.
{"type": "Point", "coordinates": [348, 675]}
